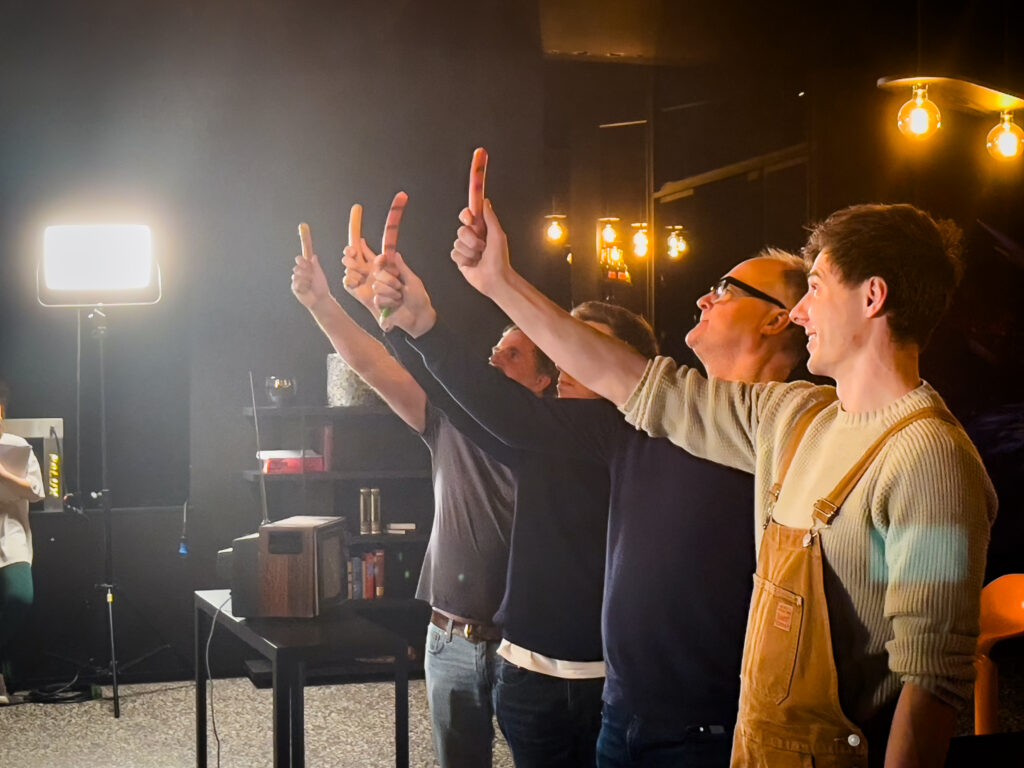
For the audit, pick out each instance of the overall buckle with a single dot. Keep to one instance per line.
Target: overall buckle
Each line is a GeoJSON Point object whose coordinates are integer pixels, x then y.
{"type": "Point", "coordinates": [825, 511]}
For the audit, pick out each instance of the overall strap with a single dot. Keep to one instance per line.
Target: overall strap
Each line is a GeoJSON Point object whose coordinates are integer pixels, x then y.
{"type": "Point", "coordinates": [795, 436]}
{"type": "Point", "coordinates": [826, 509]}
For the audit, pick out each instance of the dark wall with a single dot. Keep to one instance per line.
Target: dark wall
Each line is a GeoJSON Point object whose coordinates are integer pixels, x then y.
{"type": "Point", "coordinates": [223, 125]}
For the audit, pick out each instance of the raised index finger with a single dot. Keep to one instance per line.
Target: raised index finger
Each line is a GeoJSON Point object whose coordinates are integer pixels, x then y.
{"type": "Point", "coordinates": [307, 241]}
{"type": "Point", "coordinates": [355, 224]}
{"type": "Point", "coordinates": [477, 177]}
{"type": "Point", "coordinates": [390, 242]}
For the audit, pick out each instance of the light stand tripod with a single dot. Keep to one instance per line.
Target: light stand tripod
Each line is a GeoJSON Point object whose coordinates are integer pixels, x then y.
{"type": "Point", "coordinates": [106, 507]}
{"type": "Point", "coordinates": [100, 265]}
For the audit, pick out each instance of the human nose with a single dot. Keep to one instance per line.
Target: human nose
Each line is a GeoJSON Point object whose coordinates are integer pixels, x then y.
{"type": "Point", "coordinates": [704, 302]}
{"type": "Point", "coordinates": [798, 313]}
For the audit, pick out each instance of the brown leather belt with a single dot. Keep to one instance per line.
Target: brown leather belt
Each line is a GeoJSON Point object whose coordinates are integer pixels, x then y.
{"type": "Point", "coordinates": [475, 633]}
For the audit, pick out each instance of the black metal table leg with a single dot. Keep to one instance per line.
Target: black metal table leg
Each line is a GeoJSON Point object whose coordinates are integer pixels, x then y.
{"type": "Point", "coordinates": [401, 709]}
{"type": "Point", "coordinates": [282, 714]}
{"type": "Point", "coordinates": [200, 626]}
{"type": "Point", "coordinates": [297, 710]}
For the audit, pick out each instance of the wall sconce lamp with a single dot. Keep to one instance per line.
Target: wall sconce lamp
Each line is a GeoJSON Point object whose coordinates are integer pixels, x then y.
{"type": "Point", "coordinates": [609, 253]}
{"type": "Point", "coordinates": [555, 229]}
{"type": "Point", "coordinates": [641, 243]}
{"type": "Point", "coordinates": [608, 230]}
{"type": "Point", "coordinates": [919, 118]}
{"type": "Point", "coordinates": [677, 244]}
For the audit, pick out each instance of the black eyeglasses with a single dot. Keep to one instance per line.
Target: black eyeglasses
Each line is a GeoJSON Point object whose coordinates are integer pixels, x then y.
{"type": "Point", "coordinates": [719, 289]}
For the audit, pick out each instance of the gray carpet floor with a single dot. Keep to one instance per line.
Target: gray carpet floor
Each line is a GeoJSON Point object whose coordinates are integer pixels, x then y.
{"type": "Point", "coordinates": [347, 726]}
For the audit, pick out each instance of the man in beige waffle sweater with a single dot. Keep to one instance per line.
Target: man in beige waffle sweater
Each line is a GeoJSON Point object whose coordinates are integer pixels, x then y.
{"type": "Point", "coordinates": [864, 616]}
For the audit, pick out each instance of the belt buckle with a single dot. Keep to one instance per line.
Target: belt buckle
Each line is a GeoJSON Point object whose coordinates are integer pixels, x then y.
{"type": "Point", "coordinates": [468, 631]}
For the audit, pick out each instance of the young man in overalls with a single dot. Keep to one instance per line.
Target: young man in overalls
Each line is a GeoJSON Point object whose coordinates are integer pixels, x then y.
{"type": "Point", "coordinates": [873, 506]}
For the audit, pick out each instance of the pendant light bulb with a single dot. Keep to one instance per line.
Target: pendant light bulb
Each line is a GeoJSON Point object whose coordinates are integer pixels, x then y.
{"type": "Point", "coordinates": [919, 118]}
{"type": "Point", "coordinates": [1006, 140]}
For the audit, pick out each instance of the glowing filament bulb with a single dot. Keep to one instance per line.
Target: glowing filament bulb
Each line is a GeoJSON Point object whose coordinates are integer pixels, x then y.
{"type": "Point", "coordinates": [608, 233]}
{"type": "Point", "coordinates": [677, 244]}
{"type": "Point", "coordinates": [919, 118]}
{"type": "Point", "coordinates": [1006, 140]}
{"type": "Point", "coordinates": [640, 243]}
{"type": "Point", "coordinates": [555, 231]}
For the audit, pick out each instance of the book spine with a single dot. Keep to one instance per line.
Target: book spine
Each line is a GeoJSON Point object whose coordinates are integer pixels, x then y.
{"type": "Point", "coordinates": [357, 577]}
{"type": "Point", "coordinates": [368, 561]}
{"type": "Point", "coordinates": [378, 572]}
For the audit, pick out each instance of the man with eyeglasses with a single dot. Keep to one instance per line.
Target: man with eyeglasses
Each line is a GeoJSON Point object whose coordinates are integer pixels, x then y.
{"type": "Point", "coordinates": [676, 524]}
{"type": "Point", "coordinates": [873, 506]}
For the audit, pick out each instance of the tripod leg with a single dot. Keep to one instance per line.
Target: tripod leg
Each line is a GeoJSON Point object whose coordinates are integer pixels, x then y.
{"type": "Point", "coordinates": [113, 654]}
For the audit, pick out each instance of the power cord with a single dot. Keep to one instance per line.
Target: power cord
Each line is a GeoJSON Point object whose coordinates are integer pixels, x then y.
{"type": "Point", "coordinates": [62, 693]}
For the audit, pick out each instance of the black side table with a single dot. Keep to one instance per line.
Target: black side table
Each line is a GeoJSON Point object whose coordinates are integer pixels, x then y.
{"type": "Point", "coordinates": [289, 644]}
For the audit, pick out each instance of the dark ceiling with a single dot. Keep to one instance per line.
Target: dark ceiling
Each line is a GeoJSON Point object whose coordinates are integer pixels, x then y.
{"type": "Point", "coordinates": [758, 39]}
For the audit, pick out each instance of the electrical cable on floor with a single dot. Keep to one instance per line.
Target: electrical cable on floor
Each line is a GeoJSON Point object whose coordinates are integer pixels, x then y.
{"type": "Point", "coordinates": [165, 689]}
{"type": "Point", "coordinates": [209, 676]}
{"type": "Point", "coordinates": [61, 693]}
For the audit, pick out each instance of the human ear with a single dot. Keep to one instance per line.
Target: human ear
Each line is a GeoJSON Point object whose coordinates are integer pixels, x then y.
{"type": "Point", "coordinates": [776, 322]}
{"type": "Point", "coordinates": [875, 293]}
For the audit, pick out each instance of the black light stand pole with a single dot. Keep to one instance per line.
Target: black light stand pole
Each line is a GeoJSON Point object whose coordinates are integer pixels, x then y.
{"type": "Point", "coordinates": [103, 495]}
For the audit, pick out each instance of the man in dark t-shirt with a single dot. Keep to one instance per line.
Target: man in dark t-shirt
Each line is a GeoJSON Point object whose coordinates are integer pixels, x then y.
{"type": "Point", "coordinates": [464, 568]}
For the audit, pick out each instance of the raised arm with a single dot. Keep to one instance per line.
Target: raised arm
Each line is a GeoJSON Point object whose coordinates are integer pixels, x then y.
{"type": "Point", "coordinates": [365, 354]}
{"type": "Point", "coordinates": [575, 428]}
{"type": "Point", "coordinates": [604, 364]}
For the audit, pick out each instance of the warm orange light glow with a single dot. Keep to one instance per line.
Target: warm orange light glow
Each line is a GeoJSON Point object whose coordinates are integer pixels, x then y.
{"type": "Point", "coordinates": [556, 231]}
{"type": "Point", "coordinates": [640, 241]}
{"type": "Point", "coordinates": [919, 118]}
{"type": "Point", "coordinates": [677, 244]}
{"type": "Point", "coordinates": [1006, 140]}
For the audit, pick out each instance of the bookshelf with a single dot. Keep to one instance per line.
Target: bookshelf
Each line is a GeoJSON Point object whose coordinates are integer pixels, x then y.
{"type": "Point", "coordinates": [362, 447]}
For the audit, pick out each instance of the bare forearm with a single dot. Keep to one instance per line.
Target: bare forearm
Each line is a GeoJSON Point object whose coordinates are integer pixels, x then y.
{"type": "Point", "coordinates": [22, 487]}
{"type": "Point", "coordinates": [600, 362]}
{"type": "Point", "coordinates": [368, 357]}
{"type": "Point", "coordinates": [921, 729]}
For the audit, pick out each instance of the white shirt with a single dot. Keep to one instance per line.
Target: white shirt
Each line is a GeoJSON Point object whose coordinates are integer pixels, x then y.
{"type": "Point", "coordinates": [15, 533]}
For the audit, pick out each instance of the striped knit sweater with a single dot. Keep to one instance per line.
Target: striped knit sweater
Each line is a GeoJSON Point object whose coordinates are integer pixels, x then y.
{"type": "Point", "coordinates": [905, 557]}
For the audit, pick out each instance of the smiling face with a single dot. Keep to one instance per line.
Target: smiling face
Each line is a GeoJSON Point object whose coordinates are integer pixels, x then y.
{"type": "Point", "coordinates": [731, 320]}
{"type": "Point", "coordinates": [515, 355]}
{"type": "Point", "coordinates": [833, 316]}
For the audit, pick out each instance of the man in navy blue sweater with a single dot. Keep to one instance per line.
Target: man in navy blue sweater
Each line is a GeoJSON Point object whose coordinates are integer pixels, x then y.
{"type": "Point", "coordinates": [680, 540]}
{"type": "Point", "coordinates": [548, 702]}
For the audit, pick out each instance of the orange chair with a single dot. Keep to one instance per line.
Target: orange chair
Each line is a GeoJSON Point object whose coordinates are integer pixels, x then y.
{"type": "Point", "coordinates": [1002, 617]}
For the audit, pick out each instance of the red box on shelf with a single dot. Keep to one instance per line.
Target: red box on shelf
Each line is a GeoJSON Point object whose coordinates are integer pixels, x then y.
{"type": "Point", "coordinates": [290, 462]}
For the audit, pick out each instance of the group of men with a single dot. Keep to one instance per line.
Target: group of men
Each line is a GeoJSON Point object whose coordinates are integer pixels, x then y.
{"type": "Point", "coordinates": [590, 575]}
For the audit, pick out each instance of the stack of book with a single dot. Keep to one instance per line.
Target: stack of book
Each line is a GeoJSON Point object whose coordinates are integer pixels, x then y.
{"type": "Point", "coordinates": [366, 575]}
{"type": "Point", "coordinates": [400, 528]}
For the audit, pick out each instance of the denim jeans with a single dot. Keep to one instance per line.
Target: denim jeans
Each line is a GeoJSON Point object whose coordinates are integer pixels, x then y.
{"type": "Point", "coordinates": [460, 679]}
{"type": "Point", "coordinates": [627, 741]}
{"type": "Point", "coordinates": [548, 722]}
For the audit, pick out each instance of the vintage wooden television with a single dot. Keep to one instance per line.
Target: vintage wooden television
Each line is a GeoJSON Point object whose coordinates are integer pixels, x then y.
{"type": "Point", "coordinates": [292, 568]}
